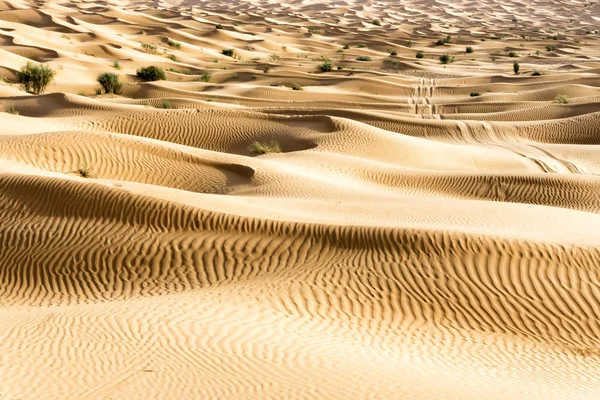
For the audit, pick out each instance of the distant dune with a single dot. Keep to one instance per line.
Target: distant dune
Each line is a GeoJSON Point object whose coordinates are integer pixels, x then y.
{"type": "Point", "coordinates": [329, 211]}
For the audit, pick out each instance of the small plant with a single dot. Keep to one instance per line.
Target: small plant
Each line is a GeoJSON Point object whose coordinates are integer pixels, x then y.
{"type": "Point", "coordinates": [219, 26]}
{"type": "Point", "coordinates": [408, 43]}
{"type": "Point", "coordinates": [313, 31]}
{"type": "Point", "coordinates": [346, 46]}
{"type": "Point", "coordinates": [205, 77]}
{"type": "Point", "coordinates": [469, 49]}
{"type": "Point", "coordinates": [98, 91]}
{"type": "Point", "coordinates": [395, 66]}
{"type": "Point", "coordinates": [550, 48]}
{"type": "Point", "coordinates": [393, 53]}
{"type": "Point", "coordinates": [84, 171]}
{"type": "Point", "coordinates": [166, 104]}
{"type": "Point", "coordinates": [339, 67]}
{"type": "Point", "coordinates": [516, 68]}
{"type": "Point", "coordinates": [173, 44]}
{"type": "Point", "coordinates": [228, 52]}
{"type": "Point", "coordinates": [151, 73]}
{"type": "Point", "coordinates": [326, 66]}
{"type": "Point", "coordinates": [274, 57]}
{"type": "Point", "coordinates": [420, 54]}
{"type": "Point", "coordinates": [172, 57]}
{"type": "Point", "coordinates": [110, 82]}
{"type": "Point", "coordinates": [116, 64]}
{"type": "Point", "coordinates": [12, 110]}
{"type": "Point", "coordinates": [295, 86]}
{"type": "Point", "coordinates": [474, 94]}
{"type": "Point", "coordinates": [537, 52]}
{"type": "Point", "coordinates": [363, 58]}
{"type": "Point", "coordinates": [512, 54]}
{"type": "Point", "coordinates": [35, 78]}
{"type": "Point", "coordinates": [444, 41]}
{"type": "Point", "coordinates": [361, 46]}
{"type": "Point", "coordinates": [258, 148]}
{"type": "Point", "coordinates": [376, 22]}
{"type": "Point", "coordinates": [536, 73]}
{"type": "Point", "coordinates": [562, 99]}
{"type": "Point", "coordinates": [149, 48]}
{"type": "Point", "coordinates": [446, 59]}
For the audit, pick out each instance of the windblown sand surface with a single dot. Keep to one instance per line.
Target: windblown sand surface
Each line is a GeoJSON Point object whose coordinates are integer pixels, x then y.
{"type": "Point", "coordinates": [410, 241]}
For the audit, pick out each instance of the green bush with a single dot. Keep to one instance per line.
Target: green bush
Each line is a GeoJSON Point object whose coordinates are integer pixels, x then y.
{"type": "Point", "coordinates": [446, 59]}
{"type": "Point", "coordinates": [536, 73]}
{"type": "Point", "coordinates": [35, 78]}
{"type": "Point", "coordinates": [420, 54]}
{"type": "Point", "coordinates": [219, 26]}
{"type": "Point", "coordinates": [149, 48]}
{"type": "Point", "coordinates": [116, 64]}
{"type": "Point", "coordinates": [228, 52]}
{"type": "Point", "coordinates": [516, 67]}
{"type": "Point", "coordinates": [474, 94]}
{"type": "Point", "coordinates": [362, 46]}
{"type": "Point", "coordinates": [326, 66]}
{"type": "Point", "coordinates": [376, 22]}
{"type": "Point", "coordinates": [110, 82]}
{"type": "Point", "coordinates": [346, 46]}
{"type": "Point", "coordinates": [512, 54]}
{"type": "Point", "coordinates": [205, 77]}
{"type": "Point", "coordinates": [393, 53]}
{"type": "Point", "coordinates": [151, 73]}
{"type": "Point", "coordinates": [469, 49]}
{"type": "Point", "coordinates": [174, 44]}
{"type": "Point", "coordinates": [562, 99]}
{"type": "Point", "coordinates": [363, 58]}
{"type": "Point", "coordinates": [258, 148]}
{"type": "Point", "coordinates": [166, 105]}
{"type": "Point", "coordinates": [444, 41]}
{"type": "Point", "coordinates": [550, 48]}
{"type": "Point", "coordinates": [12, 110]}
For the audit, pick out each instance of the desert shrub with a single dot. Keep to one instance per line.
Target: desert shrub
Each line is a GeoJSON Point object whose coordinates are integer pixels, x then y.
{"type": "Point", "coordinates": [393, 53]}
{"type": "Point", "coordinates": [512, 54]}
{"type": "Point", "coordinates": [395, 65]}
{"type": "Point", "coordinates": [228, 52]}
{"type": "Point", "coordinates": [174, 44]}
{"type": "Point", "coordinates": [172, 57]}
{"type": "Point", "coordinates": [340, 67]}
{"type": "Point", "coordinates": [444, 41]}
{"type": "Point", "coordinates": [516, 67]}
{"type": "Point", "coordinates": [219, 26]}
{"type": "Point", "coordinates": [151, 73]}
{"type": "Point", "coordinates": [474, 94]}
{"type": "Point", "coordinates": [420, 54]}
{"type": "Point", "coordinates": [12, 110]}
{"type": "Point", "coordinates": [313, 31]}
{"type": "Point", "coordinates": [562, 99]}
{"type": "Point", "coordinates": [536, 73]}
{"type": "Point", "coordinates": [166, 104]}
{"type": "Point", "coordinates": [110, 82]}
{"type": "Point", "coordinates": [446, 59]}
{"type": "Point", "coordinates": [149, 48]}
{"type": "Point", "coordinates": [363, 58]}
{"type": "Point", "coordinates": [274, 57]}
{"type": "Point", "coordinates": [550, 48]}
{"type": "Point", "coordinates": [266, 69]}
{"type": "Point", "coordinates": [362, 46]}
{"type": "Point", "coordinates": [346, 46]}
{"type": "Point", "coordinates": [258, 148]}
{"type": "Point", "coordinates": [469, 49]}
{"type": "Point", "coordinates": [116, 64]}
{"type": "Point", "coordinates": [326, 66]}
{"type": "Point", "coordinates": [205, 77]}
{"type": "Point", "coordinates": [35, 78]}
{"type": "Point", "coordinates": [84, 171]}
{"type": "Point", "coordinates": [408, 43]}
{"type": "Point", "coordinates": [376, 22]}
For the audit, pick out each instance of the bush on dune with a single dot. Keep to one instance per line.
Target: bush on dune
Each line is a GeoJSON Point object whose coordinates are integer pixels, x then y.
{"type": "Point", "coordinates": [35, 78]}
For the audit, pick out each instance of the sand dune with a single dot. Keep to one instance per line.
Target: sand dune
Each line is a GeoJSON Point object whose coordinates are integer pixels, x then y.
{"type": "Point", "coordinates": [419, 231]}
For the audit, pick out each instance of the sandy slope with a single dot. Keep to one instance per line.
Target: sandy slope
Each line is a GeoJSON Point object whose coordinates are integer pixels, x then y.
{"type": "Point", "coordinates": [410, 241]}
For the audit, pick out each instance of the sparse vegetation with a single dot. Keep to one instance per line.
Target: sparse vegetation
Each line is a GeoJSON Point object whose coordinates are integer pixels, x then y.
{"type": "Point", "coordinates": [326, 66]}
{"type": "Point", "coordinates": [376, 22]}
{"type": "Point", "coordinates": [274, 57]}
{"type": "Point", "coordinates": [151, 73]}
{"type": "Point", "coordinates": [346, 46]}
{"type": "Point", "coordinates": [219, 26]}
{"type": "Point", "coordinates": [550, 48]}
{"type": "Point", "coordinates": [12, 110]}
{"type": "Point", "coordinates": [512, 54]}
{"type": "Point", "coordinates": [444, 41]}
{"type": "Point", "coordinates": [562, 99]}
{"type": "Point", "coordinates": [84, 171]}
{"type": "Point", "coordinates": [395, 66]}
{"type": "Point", "coordinates": [166, 104]}
{"type": "Point", "coordinates": [393, 53]}
{"type": "Point", "coordinates": [516, 68]}
{"type": "Point", "coordinates": [266, 69]}
{"type": "Point", "coordinates": [474, 94]}
{"type": "Point", "coordinates": [258, 148]}
{"type": "Point", "coordinates": [205, 77]}
{"type": "Point", "coordinates": [116, 64]}
{"type": "Point", "coordinates": [110, 82]}
{"type": "Point", "coordinates": [363, 58]}
{"type": "Point", "coordinates": [446, 59]}
{"type": "Point", "coordinates": [536, 73]}
{"type": "Point", "coordinates": [173, 44]}
{"type": "Point", "coordinates": [149, 48]}
{"type": "Point", "coordinates": [361, 46]}
{"type": "Point", "coordinates": [408, 43]}
{"type": "Point", "coordinates": [420, 54]}
{"type": "Point", "coordinates": [469, 49]}
{"type": "Point", "coordinates": [35, 78]}
{"type": "Point", "coordinates": [172, 57]}
{"type": "Point", "coordinates": [228, 52]}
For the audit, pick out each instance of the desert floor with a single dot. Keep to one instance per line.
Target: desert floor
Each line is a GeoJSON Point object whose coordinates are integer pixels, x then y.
{"type": "Point", "coordinates": [426, 231]}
